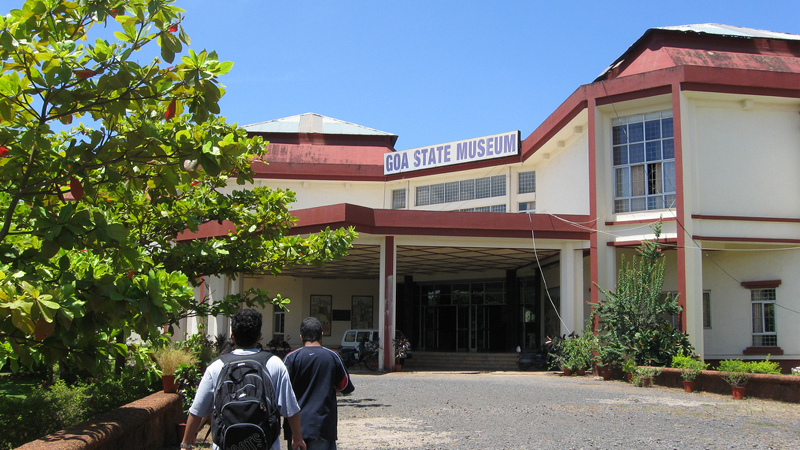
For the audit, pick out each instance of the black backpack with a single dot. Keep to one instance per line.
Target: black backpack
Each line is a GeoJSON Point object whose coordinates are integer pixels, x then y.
{"type": "Point", "coordinates": [246, 413]}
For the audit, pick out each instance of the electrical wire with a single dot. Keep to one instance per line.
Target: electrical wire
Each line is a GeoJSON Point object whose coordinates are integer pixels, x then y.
{"type": "Point", "coordinates": [544, 279]}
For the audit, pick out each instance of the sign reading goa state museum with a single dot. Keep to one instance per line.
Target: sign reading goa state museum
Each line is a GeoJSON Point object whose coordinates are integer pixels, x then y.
{"type": "Point", "coordinates": [469, 150]}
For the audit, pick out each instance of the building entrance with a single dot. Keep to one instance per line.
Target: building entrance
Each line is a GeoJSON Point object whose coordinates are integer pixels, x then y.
{"type": "Point", "coordinates": [463, 317]}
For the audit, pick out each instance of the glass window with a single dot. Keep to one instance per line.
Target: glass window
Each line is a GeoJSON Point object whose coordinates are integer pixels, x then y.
{"type": "Point", "coordinates": [437, 194]}
{"type": "Point", "coordinates": [763, 308]}
{"type": "Point", "coordinates": [644, 170]}
{"type": "Point", "coordinates": [483, 188]}
{"type": "Point", "coordinates": [399, 199]}
{"type": "Point", "coordinates": [451, 192]}
{"type": "Point", "coordinates": [527, 182]}
{"type": "Point", "coordinates": [467, 189]}
{"type": "Point", "coordinates": [498, 185]}
{"type": "Point", "coordinates": [423, 195]}
{"type": "Point", "coordinates": [706, 310]}
{"type": "Point", "coordinates": [527, 207]}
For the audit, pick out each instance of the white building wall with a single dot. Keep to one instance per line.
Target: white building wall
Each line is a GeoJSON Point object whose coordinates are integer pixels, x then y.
{"type": "Point", "coordinates": [299, 291]}
{"type": "Point", "coordinates": [731, 326]}
{"type": "Point", "coordinates": [562, 181]}
{"type": "Point", "coordinates": [745, 155]}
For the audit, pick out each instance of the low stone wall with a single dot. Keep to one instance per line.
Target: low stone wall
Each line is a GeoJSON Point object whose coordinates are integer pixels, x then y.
{"type": "Point", "coordinates": [785, 388]}
{"type": "Point", "coordinates": [149, 423]}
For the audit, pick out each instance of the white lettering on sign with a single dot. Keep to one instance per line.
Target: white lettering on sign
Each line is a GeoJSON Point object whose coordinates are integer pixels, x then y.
{"type": "Point", "coordinates": [469, 150]}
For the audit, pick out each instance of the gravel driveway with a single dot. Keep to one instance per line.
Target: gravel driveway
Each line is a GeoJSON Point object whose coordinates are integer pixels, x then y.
{"type": "Point", "coordinates": [543, 410]}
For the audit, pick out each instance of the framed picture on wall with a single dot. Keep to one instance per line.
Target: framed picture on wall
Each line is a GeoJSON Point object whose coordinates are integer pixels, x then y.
{"type": "Point", "coordinates": [362, 312]}
{"type": "Point", "coordinates": [321, 309]}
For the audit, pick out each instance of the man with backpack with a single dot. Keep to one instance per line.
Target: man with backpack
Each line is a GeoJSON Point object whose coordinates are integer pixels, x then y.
{"type": "Point", "coordinates": [245, 392]}
{"type": "Point", "coordinates": [317, 373]}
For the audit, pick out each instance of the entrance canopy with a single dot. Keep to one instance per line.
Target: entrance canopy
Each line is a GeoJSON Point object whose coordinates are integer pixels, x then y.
{"type": "Point", "coordinates": [363, 260]}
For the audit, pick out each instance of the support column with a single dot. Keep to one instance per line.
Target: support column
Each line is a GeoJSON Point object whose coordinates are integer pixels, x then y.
{"type": "Point", "coordinates": [386, 315]}
{"type": "Point", "coordinates": [213, 289]}
{"type": "Point", "coordinates": [569, 310]}
{"type": "Point", "coordinates": [572, 299]}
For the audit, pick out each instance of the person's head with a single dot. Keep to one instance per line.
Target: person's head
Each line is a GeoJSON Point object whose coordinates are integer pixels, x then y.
{"type": "Point", "coordinates": [246, 327]}
{"type": "Point", "coordinates": [311, 330]}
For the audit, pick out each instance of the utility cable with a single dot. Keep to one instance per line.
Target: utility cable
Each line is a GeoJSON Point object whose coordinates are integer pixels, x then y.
{"type": "Point", "coordinates": [544, 279]}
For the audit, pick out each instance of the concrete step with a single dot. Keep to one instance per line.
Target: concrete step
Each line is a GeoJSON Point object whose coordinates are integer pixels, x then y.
{"type": "Point", "coordinates": [461, 361]}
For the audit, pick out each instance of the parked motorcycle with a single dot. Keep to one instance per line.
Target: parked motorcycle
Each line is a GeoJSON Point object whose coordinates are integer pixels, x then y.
{"type": "Point", "coordinates": [538, 358]}
{"type": "Point", "coordinates": [280, 348]}
{"type": "Point", "coordinates": [363, 354]}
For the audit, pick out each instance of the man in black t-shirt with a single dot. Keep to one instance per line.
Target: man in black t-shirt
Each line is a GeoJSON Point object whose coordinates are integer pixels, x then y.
{"type": "Point", "coordinates": [316, 373]}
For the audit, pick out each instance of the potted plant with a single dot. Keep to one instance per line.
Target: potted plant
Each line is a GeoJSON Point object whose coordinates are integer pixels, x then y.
{"type": "Point", "coordinates": [691, 367]}
{"type": "Point", "coordinates": [187, 379]}
{"type": "Point", "coordinates": [736, 373]}
{"type": "Point", "coordinates": [611, 356]}
{"type": "Point", "coordinates": [629, 368]}
{"type": "Point", "coordinates": [401, 347]}
{"type": "Point", "coordinates": [168, 358]}
{"type": "Point", "coordinates": [579, 352]}
{"type": "Point", "coordinates": [644, 376]}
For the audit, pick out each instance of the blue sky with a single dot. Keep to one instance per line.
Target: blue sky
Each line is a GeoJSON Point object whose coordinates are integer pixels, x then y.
{"type": "Point", "coordinates": [434, 71]}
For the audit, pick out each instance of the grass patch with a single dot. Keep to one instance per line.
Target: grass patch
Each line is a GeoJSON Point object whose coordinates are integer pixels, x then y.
{"type": "Point", "coordinates": [17, 387]}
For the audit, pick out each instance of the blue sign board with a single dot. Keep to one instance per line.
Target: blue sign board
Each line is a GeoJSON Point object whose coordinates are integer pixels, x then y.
{"type": "Point", "coordinates": [459, 152]}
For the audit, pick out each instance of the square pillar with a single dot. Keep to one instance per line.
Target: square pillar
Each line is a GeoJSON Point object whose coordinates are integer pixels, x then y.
{"type": "Point", "coordinates": [387, 292]}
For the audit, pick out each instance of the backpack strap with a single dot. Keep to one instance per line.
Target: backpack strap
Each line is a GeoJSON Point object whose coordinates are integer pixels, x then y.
{"type": "Point", "coordinates": [261, 357]}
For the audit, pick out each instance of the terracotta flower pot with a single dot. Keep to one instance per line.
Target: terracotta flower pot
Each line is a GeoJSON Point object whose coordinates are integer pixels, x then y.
{"type": "Point", "coordinates": [607, 374]}
{"type": "Point", "coordinates": [688, 385]}
{"type": "Point", "coordinates": [646, 382]}
{"type": "Point", "coordinates": [168, 381]}
{"type": "Point", "coordinates": [567, 372]}
{"type": "Point", "coordinates": [738, 392]}
{"type": "Point", "coordinates": [398, 367]}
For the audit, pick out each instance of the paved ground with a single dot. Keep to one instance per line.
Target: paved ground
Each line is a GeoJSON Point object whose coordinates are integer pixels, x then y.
{"type": "Point", "coordinates": [543, 410]}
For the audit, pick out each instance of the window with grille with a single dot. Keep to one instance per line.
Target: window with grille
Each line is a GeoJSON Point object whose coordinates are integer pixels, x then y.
{"type": "Point", "coordinates": [527, 182]}
{"type": "Point", "coordinates": [423, 195]}
{"type": "Point", "coordinates": [279, 325]}
{"type": "Point", "coordinates": [456, 191]}
{"type": "Point", "coordinates": [763, 307]}
{"type": "Point", "coordinates": [492, 208]}
{"type": "Point", "coordinates": [706, 309]}
{"type": "Point", "coordinates": [644, 162]}
{"type": "Point", "coordinates": [399, 199]}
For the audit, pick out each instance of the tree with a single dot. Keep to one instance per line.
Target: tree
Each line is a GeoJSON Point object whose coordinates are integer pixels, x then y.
{"type": "Point", "coordinates": [636, 316]}
{"type": "Point", "coordinates": [92, 209]}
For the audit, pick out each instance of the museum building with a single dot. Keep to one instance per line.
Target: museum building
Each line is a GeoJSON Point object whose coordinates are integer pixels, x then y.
{"type": "Point", "coordinates": [493, 242]}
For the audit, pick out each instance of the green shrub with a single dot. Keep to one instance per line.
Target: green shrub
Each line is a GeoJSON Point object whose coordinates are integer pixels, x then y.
{"type": "Point", "coordinates": [767, 366]}
{"type": "Point", "coordinates": [644, 375]}
{"type": "Point", "coordinates": [691, 365]}
{"type": "Point", "coordinates": [47, 410]}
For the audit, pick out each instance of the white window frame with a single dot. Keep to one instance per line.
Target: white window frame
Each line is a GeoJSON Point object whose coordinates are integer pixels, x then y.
{"type": "Point", "coordinates": [643, 160]}
{"type": "Point", "coordinates": [527, 207]}
{"type": "Point", "coordinates": [451, 192]}
{"type": "Point", "coordinates": [764, 323]}
{"type": "Point", "coordinates": [278, 323]}
{"type": "Point", "coordinates": [526, 182]}
{"type": "Point", "coordinates": [399, 199]}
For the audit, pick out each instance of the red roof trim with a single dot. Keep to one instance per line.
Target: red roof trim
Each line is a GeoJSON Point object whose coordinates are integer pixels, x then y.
{"type": "Point", "coordinates": [438, 223]}
{"type": "Point", "coordinates": [746, 239]}
{"type": "Point", "coordinates": [668, 243]}
{"type": "Point", "coordinates": [421, 223]}
{"type": "Point", "coordinates": [764, 284]}
{"type": "Point", "coordinates": [746, 218]}
{"type": "Point", "coordinates": [639, 222]}
{"type": "Point", "coordinates": [318, 171]}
